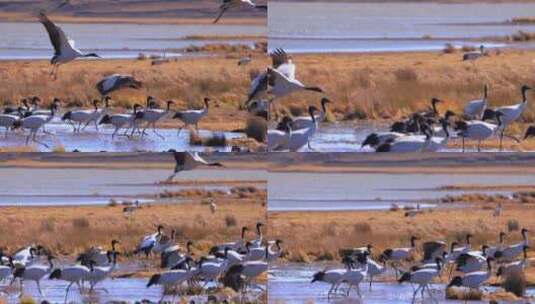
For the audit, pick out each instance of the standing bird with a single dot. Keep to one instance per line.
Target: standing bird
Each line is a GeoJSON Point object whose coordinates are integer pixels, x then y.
{"type": "Point", "coordinates": [152, 116]}
{"type": "Point", "coordinates": [478, 130]}
{"type": "Point", "coordinates": [473, 280]}
{"type": "Point", "coordinates": [187, 161]}
{"type": "Point", "coordinates": [510, 113]}
{"type": "Point", "coordinates": [64, 49]}
{"type": "Point", "coordinates": [302, 122]}
{"type": "Point", "coordinates": [422, 277]}
{"type": "Point", "coordinates": [471, 56]}
{"type": "Point", "coordinates": [74, 274]}
{"type": "Point", "coordinates": [229, 4]}
{"type": "Point", "coordinates": [510, 252]}
{"type": "Point", "coordinates": [82, 116]}
{"type": "Point", "coordinates": [300, 138]}
{"type": "Point", "coordinates": [122, 120]}
{"type": "Point", "coordinates": [192, 117]}
{"type": "Point", "coordinates": [34, 123]}
{"type": "Point", "coordinates": [475, 108]}
{"type": "Point", "coordinates": [396, 255]}
{"type": "Point", "coordinates": [116, 82]}
{"type": "Point", "coordinates": [33, 273]}
{"type": "Point", "coordinates": [149, 241]}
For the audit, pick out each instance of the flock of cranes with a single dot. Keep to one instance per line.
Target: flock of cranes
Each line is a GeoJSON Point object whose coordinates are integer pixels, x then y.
{"type": "Point", "coordinates": [472, 267]}
{"type": "Point", "coordinates": [234, 264]}
{"type": "Point", "coordinates": [34, 119]}
{"type": "Point", "coordinates": [423, 131]}
{"type": "Point", "coordinates": [428, 131]}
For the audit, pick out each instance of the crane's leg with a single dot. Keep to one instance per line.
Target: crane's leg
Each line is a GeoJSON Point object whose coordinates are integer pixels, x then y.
{"type": "Point", "coordinates": [371, 281]}
{"type": "Point", "coordinates": [463, 144]}
{"type": "Point", "coordinates": [180, 129]}
{"type": "Point", "coordinates": [114, 132]}
{"type": "Point", "coordinates": [39, 288]}
{"type": "Point", "coordinates": [155, 132]}
{"type": "Point", "coordinates": [479, 145]}
{"type": "Point", "coordinates": [67, 291]}
{"type": "Point", "coordinates": [501, 139]}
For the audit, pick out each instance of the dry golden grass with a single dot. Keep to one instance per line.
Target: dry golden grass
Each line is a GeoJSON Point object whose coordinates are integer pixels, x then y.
{"type": "Point", "coordinates": [391, 85]}
{"type": "Point", "coordinates": [69, 230]}
{"type": "Point", "coordinates": [320, 234]}
{"type": "Point", "coordinates": [187, 81]}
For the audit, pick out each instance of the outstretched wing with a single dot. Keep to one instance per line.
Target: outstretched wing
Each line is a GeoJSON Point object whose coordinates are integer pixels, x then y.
{"type": "Point", "coordinates": [180, 157]}
{"type": "Point", "coordinates": [57, 37]}
{"type": "Point", "coordinates": [197, 158]}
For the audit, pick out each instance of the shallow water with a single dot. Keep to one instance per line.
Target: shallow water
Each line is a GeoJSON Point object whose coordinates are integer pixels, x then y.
{"type": "Point", "coordinates": [394, 26]}
{"type": "Point", "coordinates": [96, 186]}
{"type": "Point", "coordinates": [368, 191]}
{"type": "Point", "coordinates": [129, 290]}
{"type": "Point", "coordinates": [290, 283]}
{"type": "Point", "coordinates": [92, 141]}
{"type": "Point", "coordinates": [30, 40]}
{"type": "Point", "coordinates": [348, 137]}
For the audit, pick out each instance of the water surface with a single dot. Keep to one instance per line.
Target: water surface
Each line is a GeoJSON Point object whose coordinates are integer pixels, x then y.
{"type": "Point", "coordinates": [30, 40]}
{"type": "Point", "coordinates": [92, 141]}
{"type": "Point", "coordinates": [395, 26]}
{"type": "Point", "coordinates": [69, 186]}
{"type": "Point", "coordinates": [297, 191]}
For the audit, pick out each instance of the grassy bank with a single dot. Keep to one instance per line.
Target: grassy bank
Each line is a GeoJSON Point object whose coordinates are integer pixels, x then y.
{"type": "Point", "coordinates": [317, 236]}
{"type": "Point", "coordinates": [69, 230]}
{"type": "Point", "coordinates": [392, 85]}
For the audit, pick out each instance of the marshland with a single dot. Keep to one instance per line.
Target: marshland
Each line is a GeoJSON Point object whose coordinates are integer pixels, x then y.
{"type": "Point", "coordinates": [388, 200]}
{"type": "Point", "coordinates": [389, 63]}
{"type": "Point", "coordinates": [84, 200]}
{"type": "Point", "coordinates": [175, 58]}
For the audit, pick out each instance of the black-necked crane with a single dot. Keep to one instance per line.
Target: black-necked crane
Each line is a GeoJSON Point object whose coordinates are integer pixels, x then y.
{"type": "Point", "coordinates": [238, 245]}
{"type": "Point", "coordinates": [510, 252]}
{"type": "Point", "coordinates": [472, 260]}
{"type": "Point", "coordinates": [192, 117]}
{"type": "Point", "coordinates": [98, 255]}
{"type": "Point", "coordinates": [407, 144]}
{"type": "Point", "coordinates": [300, 138]}
{"type": "Point", "coordinates": [81, 117]}
{"type": "Point", "coordinates": [6, 266]}
{"type": "Point", "coordinates": [117, 82]}
{"type": "Point", "coordinates": [64, 48]}
{"type": "Point", "coordinates": [74, 274]}
{"type": "Point", "coordinates": [473, 280]}
{"type": "Point", "coordinates": [471, 56]}
{"type": "Point", "coordinates": [34, 123]}
{"type": "Point", "coordinates": [277, 139]}
{"type": "Point", "coordinates": [491, 251]}
{"type": "Point", "coordinates": [422, 277]}
{"type": "Point", "coordinates": [396, 255]}
{"type": "Point", "coordinates": [475, 108]}
{"type": "Point", "coordinates": [259, 85]}
{"type": "Point", "coordinates": [230, 4]}
{"type": "Point", "coordinates": [331, 276]}
{"type": "Point", "coordinates": [478, 130]}
{"type": "Point", "coordinates": [126, 120]}
{"type": "Point", "coordinates": [149, 241]}
{"type": "Point", "coordinates": [302, 122]}
{"type": "Point", "coordinates": [516, 266]}
{"type": "Point", "coordinates": [510, 113]}
{"type": "Point", "coordinates": [100, 273]}
{"type": "Point", "coordinates": [34, 273]}
{"type": "Point", "coordinates": [172, 278]}
{"type": "Point", "coordinates": [152, 116]}
{"type": "Point", "coordinates": [187, 161]}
